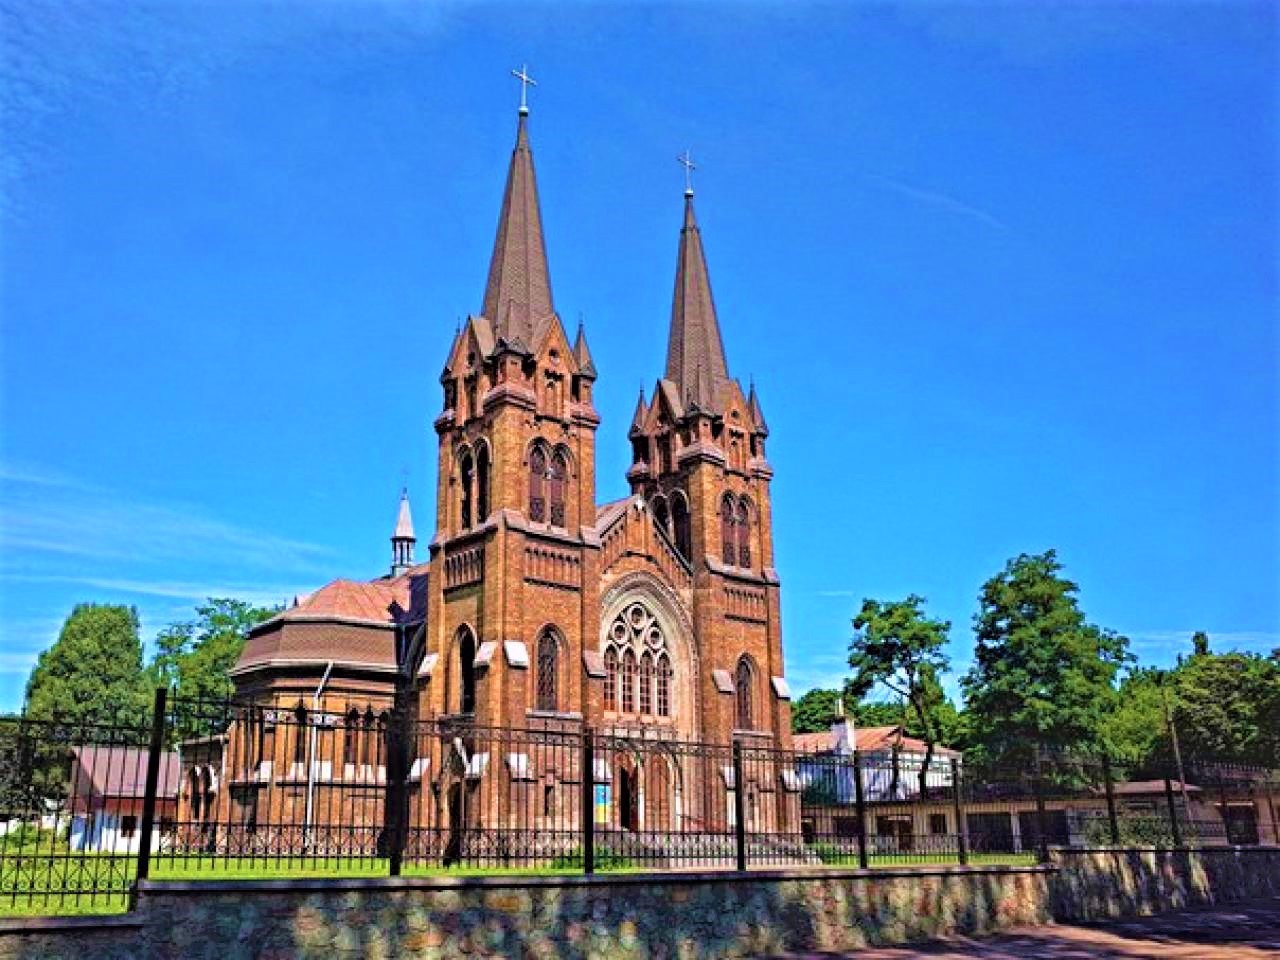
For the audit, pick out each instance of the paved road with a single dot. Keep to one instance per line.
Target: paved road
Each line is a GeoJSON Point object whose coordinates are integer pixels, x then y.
{"type": "Point", "coordinates": [1239, 932]}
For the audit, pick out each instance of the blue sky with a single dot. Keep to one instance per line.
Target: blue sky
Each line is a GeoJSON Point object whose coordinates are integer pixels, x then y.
{"type": "Point", "coordinates": [1005, 275]}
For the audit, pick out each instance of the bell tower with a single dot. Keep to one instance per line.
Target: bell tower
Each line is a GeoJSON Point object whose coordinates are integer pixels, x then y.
{"type": "Point", "coordinates": [513, 558]}
{"type": "Point", "coordinates": [698, 459]}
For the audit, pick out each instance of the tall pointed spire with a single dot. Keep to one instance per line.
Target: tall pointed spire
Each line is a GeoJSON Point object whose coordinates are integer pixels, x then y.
{"type": "Point", "coordinates": [695, 350]}
{"type": "Point", "coordinates": [582, 353]}
{"type": "Point", "coordinates": [517, 296]}
{"type": "Point", "coordinates": [402, 538]}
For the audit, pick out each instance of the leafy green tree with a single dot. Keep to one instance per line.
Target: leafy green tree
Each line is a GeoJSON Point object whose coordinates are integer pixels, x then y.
{"type": "Point", "coordinates": [87, 686]}
{"type": "Point", "coordinates": [1199, 644]}
{"type": "Point", "coordinates": [875, 713]}
{"type": "Point", "coordinates": [1042, 674]}
{"type": "Point", "coordinates": [1135, 733]}
{"type": "Point", "coordinates": [1226, 707]}
{"type": "Point", "coordinates": [194, 658]}
{"type": "Point", "coordinates": [898, 648]}
{"type": "Point", "coordinates": [814, 711]}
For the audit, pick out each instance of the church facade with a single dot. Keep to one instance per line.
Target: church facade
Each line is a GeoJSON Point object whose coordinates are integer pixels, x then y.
{"type": "Point", "coordinates": [537, 608]}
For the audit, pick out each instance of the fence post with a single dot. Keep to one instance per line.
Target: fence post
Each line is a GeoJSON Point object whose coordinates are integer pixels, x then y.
{"type": "Point", "coordinates": [588, 813]}
{"type": "Point", "coordinates": [739, 806]}
{"type": "Point", "coordinates": [397, 793]}
{"type": "Point", "coordinates": [1173, 812]}
{"type": "Point", "coordinates": [860, 804]}
{"type": "Point", "coordinates": [1110, 785]}
{"type": "Point", "coordinates": [1042, 844]}
{"type": "Point", "coordinates": [154, 752]}
{"type": "Point", "coordinates": [962, 830]}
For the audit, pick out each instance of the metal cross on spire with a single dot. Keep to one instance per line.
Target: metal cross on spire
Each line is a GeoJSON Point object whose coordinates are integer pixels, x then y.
{"type": "Point", "coordinates": [686, 160]}
{"type": "Point", "coordinates": [526, 82]}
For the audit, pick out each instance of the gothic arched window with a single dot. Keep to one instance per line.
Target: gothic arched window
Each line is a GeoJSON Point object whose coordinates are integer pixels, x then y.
{"type": "Point", "coordinates": [557, 480]}
{"type": "Point", "coordinates": [482, 483]}
{"type": "Point", "coordinates": [728, 532]}
{"type": "Point", "coordinates": [742, 682]}
{"type": "Point", "coordinates": [646, 682]}
{"type": "Point", "coordinates": [547, 681]}
{"type": "Point", "coordinates": [537, 484]}
{"type": "Point", "coordinates": [466, 645]}
{"type": "Point", "coordinates": [611, 679]}
{"type": "Point", "coordinates": [680, 524]}
{"type": "Point", "coordinates": [637, 667]}
{"type": "Point", "coordinates": [370, 746]}
{"type": "Point", "coordinates": [744, 534]}
{"type": "Point", "coordinates": [628, 698]}
{"type": "Point", "coordinates": [466, 477]}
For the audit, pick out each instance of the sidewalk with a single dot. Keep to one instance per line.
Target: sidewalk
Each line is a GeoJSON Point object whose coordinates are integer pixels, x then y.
{"type": "Point", "coordinates": [1249, 931]}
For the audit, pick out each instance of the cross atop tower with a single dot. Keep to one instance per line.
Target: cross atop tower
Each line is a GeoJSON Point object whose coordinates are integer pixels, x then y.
{"type": "Point", "coordinates": [686, 160]}
{"type": "Point", "coordinates": [526, 82]}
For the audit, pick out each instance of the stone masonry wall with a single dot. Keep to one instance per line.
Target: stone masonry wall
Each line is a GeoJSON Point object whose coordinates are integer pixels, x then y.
{"type": "Point", "coordinates": [1104, 884]}
{"type": "Point", "coordinates": [640, 916]}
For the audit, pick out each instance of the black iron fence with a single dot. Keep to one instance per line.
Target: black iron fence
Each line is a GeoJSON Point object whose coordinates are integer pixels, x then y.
{"type": "Point", "coordinates": [232, 789]}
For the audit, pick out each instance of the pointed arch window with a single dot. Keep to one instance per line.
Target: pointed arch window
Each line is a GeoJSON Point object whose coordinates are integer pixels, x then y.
{"type": "Point", "coordinates": [743, 678]}
{"type": "Point", "coordinates": [664, 685]}
{"type": "Point", "coordinates": [611, 679]}
{"type": "Point", "coordinates": [680, 525]}
{"type": "Point", "coordinates": [728, 531]}
{"type": "Point", "coordinates": [557, 480]}
{"type": "Point", "coordinates": [537, 484]}
{"type": "Point", "coordinates": [628, 698]}
{"type": "Point", "coordinates": [466, 477]}
{"type": "Point", "coordinates": [466, 646]}
{"type": "Point", "coordinates": [548, 667]}
{"type": "Point", "coordinates": [482, 483]}
{"type": "Point", "coordinates": [646, 683]}
{"type": "Point", "coordinates": [744, 534]}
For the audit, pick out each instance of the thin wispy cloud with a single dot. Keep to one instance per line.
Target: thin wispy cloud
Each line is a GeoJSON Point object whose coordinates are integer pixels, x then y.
{"type": "Point", "coordinates": [1173, 642]}
{"type": "Point", "coordinates": [65, 518]}
{"type": "Point", "coordinates": [179, 590]}
{"type": "Point", "coordinates": [939, 201]}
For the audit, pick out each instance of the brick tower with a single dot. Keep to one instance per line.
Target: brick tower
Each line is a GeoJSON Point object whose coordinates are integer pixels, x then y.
{"type": "Point", "coordinates": [514, 560]}
{"type": "Point", "coordinates": [698, 460]}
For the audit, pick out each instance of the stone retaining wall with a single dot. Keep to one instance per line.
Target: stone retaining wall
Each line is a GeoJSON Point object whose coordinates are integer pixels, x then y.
{"type": "Point", "coordinates": [1105, 884]}
{"type": "Point", "coordinates": [639, 916]}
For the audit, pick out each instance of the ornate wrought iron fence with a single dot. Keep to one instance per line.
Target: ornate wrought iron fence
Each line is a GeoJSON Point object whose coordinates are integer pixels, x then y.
{"type": "Point", "coordinates": [249, 789]}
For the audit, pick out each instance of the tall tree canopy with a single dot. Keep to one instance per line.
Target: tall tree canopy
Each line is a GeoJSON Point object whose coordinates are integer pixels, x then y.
{"type": "Point", "coordinates": [194, 658]}
{"type": "Point", "coordinates": [814, 711]}
{"type": "Point", "coordinates": [1042, 675]}
{"type": "Point", "coordinates": [1226, 707]}
{"type": "Point", "coordinates": [93, 671]}
{"type": "Point", "coordinates": [897, 647]}
{"type": "Point", "coordinates": [91, 676]}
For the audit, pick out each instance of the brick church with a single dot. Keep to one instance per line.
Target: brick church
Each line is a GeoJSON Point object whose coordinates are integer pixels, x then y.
{"type": "Point", "coordinates": [537, 607]}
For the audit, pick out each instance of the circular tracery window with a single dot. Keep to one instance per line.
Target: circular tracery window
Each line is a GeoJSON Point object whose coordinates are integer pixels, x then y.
{"type": "Point", "coordinates": [646, 691]}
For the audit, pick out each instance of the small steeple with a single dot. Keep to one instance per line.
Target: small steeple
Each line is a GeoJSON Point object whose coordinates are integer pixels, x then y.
{"type": "Point", "coordinates": [637, 421]}
{"type": "Point", "coordinates": [517, 296]}
{"type": "Point", "coordinates": [757, 415]}
{"type": "Point", "coordinates": [695, 351]}
{"type": "Point", "coordinates": [582, 353]}
{"type": "Point", "coordinates": [402, 539]}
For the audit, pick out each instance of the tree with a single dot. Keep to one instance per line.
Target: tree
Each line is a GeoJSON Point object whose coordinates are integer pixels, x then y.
{"type": "Point", "coordinates": [1226, 707]}
{"type": "Point", "coordinates": [1042, 675]}
{"type": "Point", "coordinates": [1199, 644]}
{"type": "Point", "coordinates": [814, 711]}
{"type": "Point", "coordinates": [89, 686]}
{"type": "Point", "coordinates": [195, 658]}
{"type": "Point", "coordinates": [897, 647]}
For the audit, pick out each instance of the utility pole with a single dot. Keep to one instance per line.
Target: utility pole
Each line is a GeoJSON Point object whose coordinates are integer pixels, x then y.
{"type": "Point", "coordinates": [1173, 738]}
